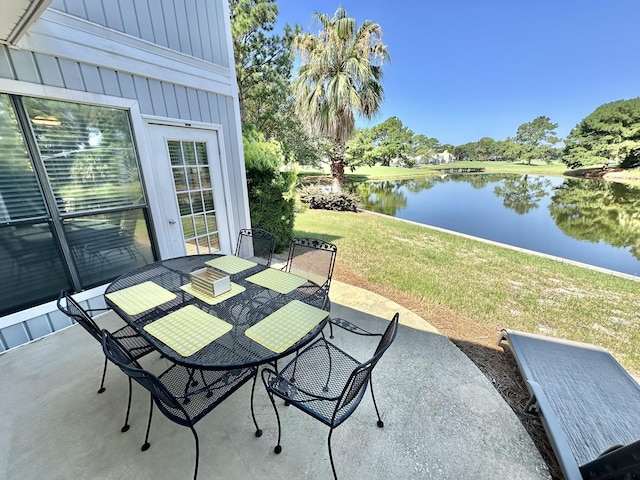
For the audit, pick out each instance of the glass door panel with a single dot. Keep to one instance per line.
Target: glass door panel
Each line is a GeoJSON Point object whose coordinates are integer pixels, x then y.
{"type": "Point", "coordinates": [192, 180]}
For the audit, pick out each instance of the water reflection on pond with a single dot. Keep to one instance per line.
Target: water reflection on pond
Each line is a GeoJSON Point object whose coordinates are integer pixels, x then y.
{"type": "Point", "coordinates": [589, 221]}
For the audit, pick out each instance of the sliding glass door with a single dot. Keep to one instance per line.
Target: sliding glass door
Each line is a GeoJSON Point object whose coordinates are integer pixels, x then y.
{"type": "Point", "coordinates": [72, 208]}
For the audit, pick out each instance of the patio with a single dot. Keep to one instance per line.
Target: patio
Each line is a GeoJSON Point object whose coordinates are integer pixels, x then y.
{"type": "Point", "coordinates": [443, 418]}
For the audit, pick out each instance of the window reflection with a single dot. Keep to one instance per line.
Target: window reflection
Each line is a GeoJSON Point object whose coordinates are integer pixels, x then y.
{"type": "Point", "coordinates": [107, 245]}
{"type": "Point", "coordinates": [33, 266]}
{"type": "Point", "coordinates": [88, 155]}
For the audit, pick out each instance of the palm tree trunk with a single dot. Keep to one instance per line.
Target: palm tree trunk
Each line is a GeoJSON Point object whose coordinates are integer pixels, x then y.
{"type": "Point", "coordinates": [337, 167]}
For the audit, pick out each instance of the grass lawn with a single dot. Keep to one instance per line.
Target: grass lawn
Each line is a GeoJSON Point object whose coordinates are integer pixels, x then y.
{"type": "Point", "coordinates": [459, 284]}
{"type": "Point", "coordinates": [630, 176]}
{"type": "Point", "coordinates": [379, 172]}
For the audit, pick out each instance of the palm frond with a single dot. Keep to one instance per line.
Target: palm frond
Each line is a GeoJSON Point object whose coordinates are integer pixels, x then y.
{"type": "Point", "coordinates": [340, 75]}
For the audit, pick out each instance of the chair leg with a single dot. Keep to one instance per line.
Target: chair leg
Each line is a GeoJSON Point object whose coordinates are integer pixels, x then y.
{"type": "Point", "coordinates": [125, 427]}
{"type": "Point", "coordinates": [333, 468]}
{"type": "Point", "coordinates": [380, 422]}
{"type": "Point", "coordinates": [326, 385]}
{"type": "Point", "coordinates": [146, 444]}
{"type": "Point", "coordinates": [191, 382]}
{"type": "Point", "coordinates": [104, 374]}
{"type": "Point", "coordinates": [195, 436]}
{"type": "Point", "coordinates": [278, 448]}
{"type": "Point", "coordinates": [253, 415]}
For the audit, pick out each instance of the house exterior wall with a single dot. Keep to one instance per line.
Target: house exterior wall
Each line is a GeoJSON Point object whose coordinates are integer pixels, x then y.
{"type": "Point", "coordinates": [173, 61]}
{"type": "Point", "coordinates": [161, 22]}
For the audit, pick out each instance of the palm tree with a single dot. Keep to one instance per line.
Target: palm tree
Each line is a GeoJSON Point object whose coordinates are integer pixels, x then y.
{"type": "Point", "coordinates": [340, 76]}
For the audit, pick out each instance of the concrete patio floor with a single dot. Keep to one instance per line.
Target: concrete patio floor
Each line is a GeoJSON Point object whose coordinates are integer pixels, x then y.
{"type": "Point", "coordinates": [443, 418]}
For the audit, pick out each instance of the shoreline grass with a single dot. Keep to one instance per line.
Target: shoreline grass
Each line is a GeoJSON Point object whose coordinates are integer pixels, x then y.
{"type": "Point", "coordinates": [491, 286]}
{"type": "Point", "coordinates": [360, 174]}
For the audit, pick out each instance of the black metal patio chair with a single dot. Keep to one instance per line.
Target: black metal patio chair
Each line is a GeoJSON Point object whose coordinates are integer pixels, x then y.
{"type": "Point", "coordinates": [176, 392]}
{"type": "Point", "coordinates": [313, 259]}
{"type": "Point", "coordinates": [136, 346]}
{"type": "Point", "coordinates": [256, 244]}
{"type": "Point", "coordinates": [117, 242]}
{"type": "Point", "coordinates": [326, 382]}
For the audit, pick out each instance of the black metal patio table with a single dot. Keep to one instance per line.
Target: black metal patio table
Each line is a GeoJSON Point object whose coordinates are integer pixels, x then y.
{"type": "Point", "coordinates": [251, 304]}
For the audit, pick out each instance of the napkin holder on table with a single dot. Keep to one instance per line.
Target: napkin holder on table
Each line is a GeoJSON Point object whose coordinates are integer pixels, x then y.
{"type": "Point", "coordinates": [210, 281]}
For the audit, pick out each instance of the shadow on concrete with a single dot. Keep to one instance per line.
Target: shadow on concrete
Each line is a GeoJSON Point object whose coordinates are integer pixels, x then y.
{"type": "Point", "coordinates": [443, 419]}
{"type": "Point", "coordinates": [500, 368]}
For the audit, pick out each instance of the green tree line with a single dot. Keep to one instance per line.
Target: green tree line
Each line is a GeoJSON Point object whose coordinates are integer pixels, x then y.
{"type": "Point", "coordinates": [305, 90]}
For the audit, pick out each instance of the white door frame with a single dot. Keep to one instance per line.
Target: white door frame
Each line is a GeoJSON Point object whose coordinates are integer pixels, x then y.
{"type": "Point", "coordinates": [161, 187]}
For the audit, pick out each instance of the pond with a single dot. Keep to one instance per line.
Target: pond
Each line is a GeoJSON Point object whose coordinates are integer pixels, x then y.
{"type": "Point", "coordinates": [589, 221]}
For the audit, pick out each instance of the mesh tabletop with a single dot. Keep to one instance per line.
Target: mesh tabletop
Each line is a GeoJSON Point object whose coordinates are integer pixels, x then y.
{"type": "Point", "coordinates": [210, 299]}
{"type": "Point", "coordinates": [139, 298]}
{"type": "Point", "coordinates": [286, 326]}
{"type": "Point", "coordinates": [277, 280]}
{"type": "Point", "coordinates": [231, 264]}
{"type": "Point", "coordinates": [188, 330]}
{"type": "Point", "coordinates": [244, 306]}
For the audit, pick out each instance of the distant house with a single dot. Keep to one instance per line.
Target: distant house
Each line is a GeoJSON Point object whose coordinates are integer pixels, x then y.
{"type": "Point", "coordinates": [444, 157]}
{"type": "Point", "coordinates": [121, 144]}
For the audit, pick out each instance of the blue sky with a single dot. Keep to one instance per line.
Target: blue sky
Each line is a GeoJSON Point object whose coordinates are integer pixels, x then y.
{"type": "Point", "coordinates": [466, 69]}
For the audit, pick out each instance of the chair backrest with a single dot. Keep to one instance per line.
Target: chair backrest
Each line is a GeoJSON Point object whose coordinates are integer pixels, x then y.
{"type": "Point", "coordinates": [256, 244]}
{"type": "Point", "coordinates": [312, 259]}
{"type": "Point", "coordinates": [128, 224]}
{"type": "Point", "coordinates": [357, 384]}
{"type": "Point", "coordinates": [168, 404]}
{"type": "Point", "coordinates": [9, 241]}
{"type": "Point", "coordinates": [71, 308]}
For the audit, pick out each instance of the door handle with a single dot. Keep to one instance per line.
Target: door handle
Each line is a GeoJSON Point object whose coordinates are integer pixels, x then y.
{"type": "Point", "coordinates": [172, 221]}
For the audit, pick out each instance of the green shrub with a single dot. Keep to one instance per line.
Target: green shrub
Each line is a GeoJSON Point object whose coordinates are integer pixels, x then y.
{"type": "Point", "coordinates": [315, 197]}
{"type": "Point", "coordinates": [271, 191]}
{"type": "Point", "coordinates": [632, 160]}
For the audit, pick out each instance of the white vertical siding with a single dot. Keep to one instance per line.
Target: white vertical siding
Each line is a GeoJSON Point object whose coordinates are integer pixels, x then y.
{"type": "Point", "coordinates": [50, 69]}
{"type": "Point", "coordinates": [158, 103]}
{"type": "Point", "coordinates": [204, 29]}
{"type": "Point", "coordinates": [171, 25]}
{"type": "Point", "coordinates": [72, 7]}
{"type": "Point", "coordinates": [143, 94]}
{"type": "Point", "coordinates": [113, 18]}
{"type": "Point", "coordinates": [127, 13]}
{"type": "Point", "coordinates": [183, 105]}
{"type": "Point", "coordinates": [142, 14]}
{"type": "Point", "coordinates": [5, 64]}
{"type": "Point", "coordinates": [71, 75]}
{"type": "Point", "coordinates": [194, 106]}
{"type": "Point", "coordinates": [193, 27]}
{"type": "Point", "coordinates": [181, 18]}
{"type": "Point", "coordinates": [91, 78]}
{"type": "Point", "coordinates": [125, 82]}
{"type": "Point", "coordinates": [25, 66]}
{"type": "Point", "coordinates": [110, 83]}
{"type": "Point", "coordinates": [171, 100]}
{"type": "Point", "coordinates": [95, 11]}
{"type": "Point", "coordinates": [161, 99]}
